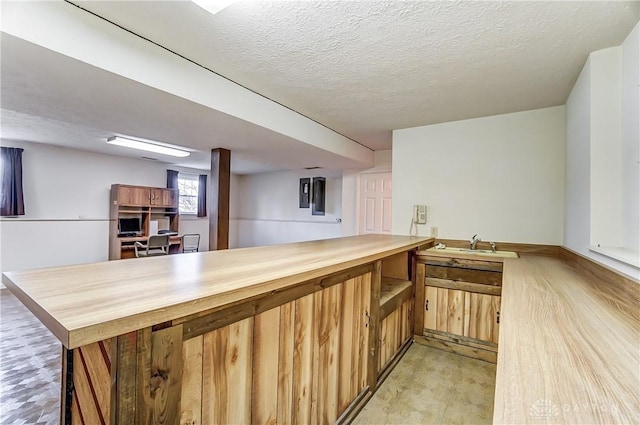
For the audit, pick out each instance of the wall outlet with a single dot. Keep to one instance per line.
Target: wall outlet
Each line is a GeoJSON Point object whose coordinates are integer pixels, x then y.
{"type": "Point", "coordinates": [434, 231]}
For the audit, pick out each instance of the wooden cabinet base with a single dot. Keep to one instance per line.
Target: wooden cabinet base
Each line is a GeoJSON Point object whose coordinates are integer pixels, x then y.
{"type": "Point", "coordinates": [288, 334]}
{"type": "Point", "coordinates": [457, 315]}
{"type": "Point", "coordinates": [463, 348]}
{"type": "Point", "coordinates": [305, 361]}
{"type": "Point", "coordinates": [395, 331]}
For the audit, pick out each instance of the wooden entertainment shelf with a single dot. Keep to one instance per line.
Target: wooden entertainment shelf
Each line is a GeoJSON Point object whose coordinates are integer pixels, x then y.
{"type": "Point", "coordinates": [147, 204]}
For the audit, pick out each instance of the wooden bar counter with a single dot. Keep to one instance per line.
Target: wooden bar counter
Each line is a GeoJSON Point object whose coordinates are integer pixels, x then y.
{"type": "Point", "coordinates": [287, 333]}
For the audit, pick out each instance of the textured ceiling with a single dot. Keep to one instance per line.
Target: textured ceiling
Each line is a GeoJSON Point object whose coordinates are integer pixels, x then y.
{"type": "Point", "coordinates": [364, 68]}
{"type": "Point", "coordinates": [54, 99]}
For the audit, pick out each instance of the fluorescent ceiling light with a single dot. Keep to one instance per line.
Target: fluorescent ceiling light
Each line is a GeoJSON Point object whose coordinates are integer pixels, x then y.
{"type": "Point", "coordinates": [146, 146]}
{"type": "Point", "coordinates": [213, 6]}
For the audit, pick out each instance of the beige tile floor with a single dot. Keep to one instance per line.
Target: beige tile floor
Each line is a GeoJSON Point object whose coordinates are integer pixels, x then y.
{"type": "Point", "coordinates": [430, 386]}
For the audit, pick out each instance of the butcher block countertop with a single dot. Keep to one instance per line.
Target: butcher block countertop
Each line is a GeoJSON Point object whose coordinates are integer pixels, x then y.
{"type": "Point", "coordinates": [87, 303]}
{"type": "Point", "coordinates": [569, 347]}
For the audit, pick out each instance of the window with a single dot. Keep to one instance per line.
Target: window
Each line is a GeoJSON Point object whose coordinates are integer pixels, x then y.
{"type": "Point", "coordinates": [188, 192]}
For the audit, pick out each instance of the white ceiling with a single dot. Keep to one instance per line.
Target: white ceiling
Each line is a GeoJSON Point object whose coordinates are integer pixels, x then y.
{"type": "Point", "coordinates": [362, 68]}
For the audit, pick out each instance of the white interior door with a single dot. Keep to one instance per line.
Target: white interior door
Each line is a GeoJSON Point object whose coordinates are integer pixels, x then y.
{"type": "Point", "coordinates": [375, 203]}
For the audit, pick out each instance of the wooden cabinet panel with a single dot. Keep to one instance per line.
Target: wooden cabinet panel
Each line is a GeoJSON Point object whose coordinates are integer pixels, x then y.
{"type": "Point", "coordinates": [147, 196]}
{"type": "Point", "coordinates": [165, 383]}
{"type": "Point", "coordinates": [164, 197]}
{"type": "Point", "coordinates": [264, 388]}
{"type": "Point", "coordinates": [227, 373]}
{"type": "Point", "coordinates": [442, 313]}
{"type": "Point", "coordinates": [395, 330]}
{"type": "Point", "coordinates": [495, 307]}
{"type": "Point", "coordinates": [302, 362]}
{"type": "Point", "coordinates": [170, 198]}
{"type": "Point", "coordinates": [133, 196]}
{"type": "Point", "coordinates": [444, 310]}
{"type": "Point", "coordinates": [467, 275]}
{"type": "Point", "coordinates": [462, 313]}
{"type": "Point", "coordinates": [286, 338]}
{"type": "Point", "coordinates": [91, 378]}
{"type": "Point", "coordinates": [191, 396]}
{"type": "Point", "coordinates": [351, 316]}
{"type": "Point", "coordinates": [304, 349]}
{"type": "Point", "coordinates": [430, 308]}
{"type": "Point", "coordinates": [329, 353]}
{"type": "Point", "coordinates": [396, 266]}
{"type": "Point", "coordinates": [305, 361]}
{"type": "Point", "coordinates": [479, 317]}
{"type": "Point", "coordinates": [455, 312]}
{"type": "Point", "coordinates": [156, 197]}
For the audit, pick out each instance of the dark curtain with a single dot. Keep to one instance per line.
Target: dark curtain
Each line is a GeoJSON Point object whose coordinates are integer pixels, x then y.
{"type": "Point", "coordinates": [172, 179]}
{"type": "Point", "coordinates": [202, 195]}
{"type": "Point", "coordinates": [12, 197]}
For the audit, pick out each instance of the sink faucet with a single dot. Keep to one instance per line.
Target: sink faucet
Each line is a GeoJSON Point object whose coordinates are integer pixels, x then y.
{"type": "Point", "coordinates": [473, 241]}
{"type": "Point", "coordinates": [493, 246]}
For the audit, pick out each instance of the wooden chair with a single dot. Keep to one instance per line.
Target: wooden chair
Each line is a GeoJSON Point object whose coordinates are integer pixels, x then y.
{"type": "Point", "coordinates": [190, 242]}
{"type": "Point", "coordinates": [156, 245]}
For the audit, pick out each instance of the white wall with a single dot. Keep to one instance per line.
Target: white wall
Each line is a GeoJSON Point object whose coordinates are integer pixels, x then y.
{"type": "Point", "coordinates": [578, 164]}
{"type": "Point", "coordinates": [66, 195]}
{"type": "Point", "coordinates": [200, 225]}
{"type": "Point", "coordinates": [269, 213]}
{"type": "Point", "coordinates": [606, 94]}
{"type": "Point", "coordinates": [585, 139]}
{"type": "Point", "coordinates": [501, 177]}
{"type": "Point", "coordinates": [630, 135]}
{"type": "Point", "coordinates": [350, 203]}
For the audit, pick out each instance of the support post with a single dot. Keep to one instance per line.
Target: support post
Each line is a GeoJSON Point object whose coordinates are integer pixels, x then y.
{"type": "Point", "coordinates": [219, 199]}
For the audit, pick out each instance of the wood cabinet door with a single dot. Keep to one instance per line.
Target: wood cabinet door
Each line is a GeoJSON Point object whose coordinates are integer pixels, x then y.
{"type": "Point", "coordinates": [444, 310]}
{"type": "Point", "coordinates": [136, 196]}
{"type": "Point", "coordinates": [430, 307]}
{"type": "Point", "coordinates": [156, 196]}
{"type": "Point", "coordinates": [462, 313]}
{"type": "Point", "coordinates": [482, 319]}
{"type": "Point", "coordinates": [170, 198]}
{"type": "Point", "coordinates": [164, 197]}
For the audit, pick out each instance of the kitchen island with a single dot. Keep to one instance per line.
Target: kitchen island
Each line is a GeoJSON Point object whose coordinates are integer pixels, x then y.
{"type": "Point", "coordinates": [288, 333]}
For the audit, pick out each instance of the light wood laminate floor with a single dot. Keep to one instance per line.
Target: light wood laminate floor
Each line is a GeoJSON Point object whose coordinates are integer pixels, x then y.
{"type": "Point", "coordinates": [430, 386]}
